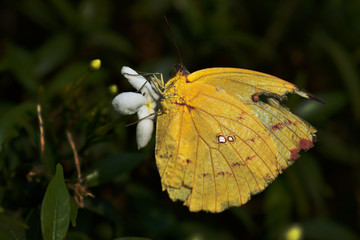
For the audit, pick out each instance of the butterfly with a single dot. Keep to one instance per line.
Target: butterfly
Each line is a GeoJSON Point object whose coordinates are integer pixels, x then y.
{"type": "Point", "coordinates": [222, 134]}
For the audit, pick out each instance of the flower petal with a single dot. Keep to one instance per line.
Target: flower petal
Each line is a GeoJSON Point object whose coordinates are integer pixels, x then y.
{"type": "Point", "coordinates": [135, 79]}
{"type": "Point", "coordinates": [139, 82]}
{"type": "Point", "coordinates": [144, 131]}
{"type": "Point", "coordinates": [145, 126]}
{"type": "Point", "coordinates": [128, 103]}
{"type": "Point", "coordinates": [145, 112]}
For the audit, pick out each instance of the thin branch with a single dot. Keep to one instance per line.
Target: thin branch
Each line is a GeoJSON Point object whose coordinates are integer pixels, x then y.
{"type": "Point", "coordinates": [42, 137]}
{"type": "Point", "coordinates": [39, 170]}
{"type": "Point", "coordinates": [76, 157]}
{"type": "Point", "coordinates": [80, 191]}
{"type": "Point", "coordinates": [130, 124]}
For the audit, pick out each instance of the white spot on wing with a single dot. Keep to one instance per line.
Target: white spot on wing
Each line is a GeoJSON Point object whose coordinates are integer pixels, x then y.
{"type": "Point", "coordinates": [221, 139]}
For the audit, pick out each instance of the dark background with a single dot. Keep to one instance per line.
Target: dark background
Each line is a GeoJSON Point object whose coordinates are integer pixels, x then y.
{"type": "Point", "coordinates": [46, 46]}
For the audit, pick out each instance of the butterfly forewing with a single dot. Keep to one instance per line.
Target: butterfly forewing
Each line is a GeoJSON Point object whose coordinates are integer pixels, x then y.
{"type": "Point", "coordinates": [242, 83]}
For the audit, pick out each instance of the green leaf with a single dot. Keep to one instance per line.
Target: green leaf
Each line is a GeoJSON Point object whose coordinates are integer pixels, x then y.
{"type": "Point", "coordinates": [39, 12]}
{"type": "Point", "coordinates": [21, 64]}
{"type": "Point", "coordinates": [53, 53]}
{"type": "Point", "coordinates": [94, 15]}
{"type": "Point", "coordinates": [66, 10]}
{"type": "Point", "coordinates": [12, 121]}
{"type": "Point", "coordinates": [346, 67]}
{"type": "Point", "coordinates": [110, 40]}
{"type": "Point", "coordinates": [64, 79]}
{"type": "Point", "coordinates": [10, 227]}
{"type": "Point", "coordinates": [112, 166]}
{"type": "Point", "coordinates": [73, 211]}
{"type": "Point", "coordinates": [55, 209]}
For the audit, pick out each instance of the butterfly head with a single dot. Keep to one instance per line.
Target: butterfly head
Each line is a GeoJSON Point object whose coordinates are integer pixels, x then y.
{"type": "Point", "coordinates": [178, 69]}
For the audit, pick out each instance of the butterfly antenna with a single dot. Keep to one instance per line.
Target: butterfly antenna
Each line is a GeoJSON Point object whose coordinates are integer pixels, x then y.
{"type": "Point", "coordinates": [173, 39]}
{"type": "Point", "coordinates": [139, 120]}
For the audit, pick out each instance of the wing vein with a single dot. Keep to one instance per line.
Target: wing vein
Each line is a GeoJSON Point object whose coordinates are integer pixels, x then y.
{"type": "Point", "coordinates": [254, 118]}
{"type": "Point", "coordinates": [179, 140]}
{"type": "Point", "coordinates": [195, 168]}
{"type": "Point", "coordinates": [161, 142]}
{"type": "Point", "coordinates": [212, 116]}
{"type": "Point", "coordinates": [214, 177]}
{"type": "Point", "coordinates": [265, 110]}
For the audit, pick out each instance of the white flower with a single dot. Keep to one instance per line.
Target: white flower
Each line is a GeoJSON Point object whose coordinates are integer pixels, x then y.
{"type": "Point", "coordinates": [143, 104]}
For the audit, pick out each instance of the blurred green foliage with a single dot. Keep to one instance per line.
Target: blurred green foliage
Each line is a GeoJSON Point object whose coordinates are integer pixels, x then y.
{"type": "Point", "coordinates": [45, 49]}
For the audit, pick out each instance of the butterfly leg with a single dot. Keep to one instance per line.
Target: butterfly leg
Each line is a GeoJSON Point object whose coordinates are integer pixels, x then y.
{"type": "Point", "coordinates": [158, 82]}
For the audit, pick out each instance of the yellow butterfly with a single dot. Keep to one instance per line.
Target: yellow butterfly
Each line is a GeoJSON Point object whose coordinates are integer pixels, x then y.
{"type": "Point", "coordinates": [218, 140]}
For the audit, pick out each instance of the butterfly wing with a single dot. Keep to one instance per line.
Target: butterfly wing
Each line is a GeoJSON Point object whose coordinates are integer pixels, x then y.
{"type": "Point", "coordinates": [217, 144]}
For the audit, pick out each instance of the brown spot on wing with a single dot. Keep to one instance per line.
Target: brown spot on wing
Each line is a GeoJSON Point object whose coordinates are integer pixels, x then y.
{"type": "Point", "coordinates": [305, 144]}
{"type": "Point", "coordinates": [277, 126]}
{"type": "Point", "coordinates": [236, 164]}
{"type": "Point", "coordinates": [255, 97]}
{"type": "Point", "coordinates": [240, 117]}
{"type": "Point", "coordinates": [205, 174]}
{"type": "Point", "coordinates": [289, 122]}
{"type": "Point", "coordinates": [223, 174]}
{"type": "Point", "coordinates": [294, 154]}
{"type": "Point", "coordinates": [250, 157]}
{"type": "Point", "coordinates": [253, 139]}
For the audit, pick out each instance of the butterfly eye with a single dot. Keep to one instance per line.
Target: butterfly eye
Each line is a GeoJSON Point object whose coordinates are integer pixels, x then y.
{"type": "Point", "coordinates": [175, 68]}
{"type": "Point", "coordinates": [178, 68]}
